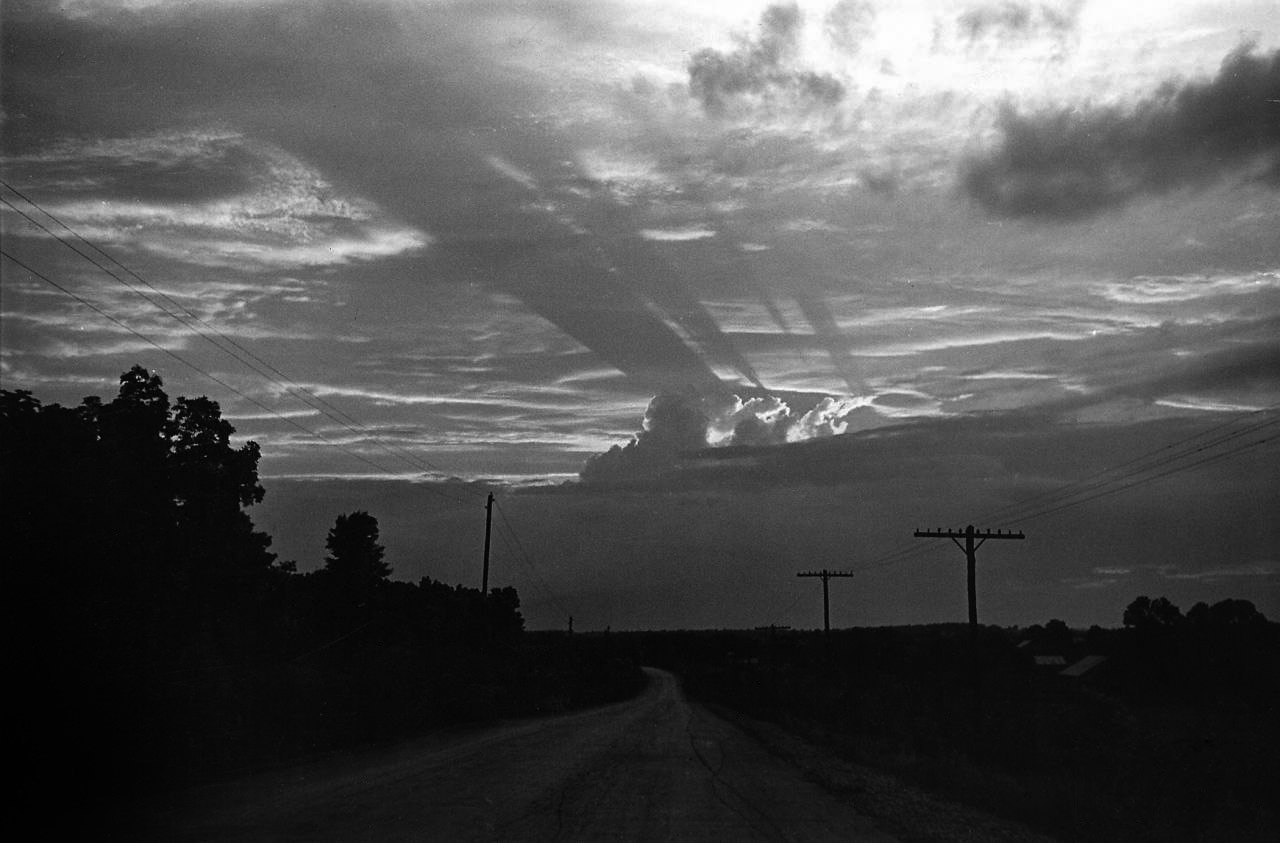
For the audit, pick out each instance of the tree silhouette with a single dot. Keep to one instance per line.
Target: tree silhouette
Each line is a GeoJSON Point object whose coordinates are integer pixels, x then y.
{"type": "Point", "coordinates": [1057, 636]}
{"type": "Point", "coordinates": [126, 537]}
{"type": "Point", "coordinates": [166, 641]}
{"type": "Point", "coordinates": [1145, 613]}
{"type": "Point", "coordinates": [134, 510]}
{"type": "Point", "coordinates": [1229, 612]}
{"type": "Point", "coordinates": [354, 563]}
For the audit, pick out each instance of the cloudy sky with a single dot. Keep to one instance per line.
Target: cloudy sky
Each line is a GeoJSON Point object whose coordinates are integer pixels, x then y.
{"type": "Point", "coordinates": [708, 293]}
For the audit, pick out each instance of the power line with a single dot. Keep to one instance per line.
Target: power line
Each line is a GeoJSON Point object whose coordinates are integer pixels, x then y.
{"type": "Point", "coordinates": [188, 363]}
{"type": "Point", "coordinates": [1099, 484]}
{"type": "Point", "coordinates": [1212, 458]}
{"type": "Point", "coordinates": [506, 525]}
{"type": "Point", "coordinates": [1150, 461]}
{"type": "Point", "coordinates": [228, 344]}
{"type": "Point", "coordinates": [192, 320]}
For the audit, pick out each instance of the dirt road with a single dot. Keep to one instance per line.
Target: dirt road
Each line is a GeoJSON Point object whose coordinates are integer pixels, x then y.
{"type": "Point", "coordinates": [653, 768]}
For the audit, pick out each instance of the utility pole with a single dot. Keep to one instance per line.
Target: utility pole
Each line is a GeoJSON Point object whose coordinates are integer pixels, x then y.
{"type": "Point", "coordinates": [970, 551]}
{"type": "Point", "coordinates": [826, 598]}
{"type": "Point", "coordinates": [969, 534]}
{"type": "Point", "coordinates": [488, 529]}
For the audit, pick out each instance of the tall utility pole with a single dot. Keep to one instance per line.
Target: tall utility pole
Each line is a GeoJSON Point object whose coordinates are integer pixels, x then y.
{"type": "Point", "coordinates": [488, 529]}
{"type": "Point", "coordinates": [826, 597]}
{"type": "Point", "coordinates": [970, 551]}
{"type": "Point", "coordinates": [969, 534]}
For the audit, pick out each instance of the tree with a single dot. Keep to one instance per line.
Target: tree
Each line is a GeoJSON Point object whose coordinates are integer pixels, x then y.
{"type": "Point", "coordinates": [1058, 636]}
{"type": "Point", "coordinates": [1227, 612]}
{"type": "Point", "coordinates": [1145, 613]}
{"type": "Point", "coordinates": [125, 534]}
{"type": "Point", "coordinates": [355, 561]}
{"type": "Point", "coordinates": [134, 511]}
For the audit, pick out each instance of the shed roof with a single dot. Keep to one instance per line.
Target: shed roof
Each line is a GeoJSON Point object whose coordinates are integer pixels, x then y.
{"type": "Point", "coordinates": [1083, 666]}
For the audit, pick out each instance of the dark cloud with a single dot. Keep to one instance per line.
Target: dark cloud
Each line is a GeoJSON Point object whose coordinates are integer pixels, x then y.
{"type": "Point", "coordinates": [1011, 21]}
{"type": "Point", "coordinates": [716, 539]}
{"type": "Point", "coordinates": [674, 426]}
{"type": "Point", "coordinates": [174, 168]}
{"type": "Point", "coordinates": [1245, 367]}
{"type": "Point", "coordinates": [762, 68]}
{"type": "Point", "coordinates": [1075, 163]}
{"type": "Point", "coordinates": [350, 91]}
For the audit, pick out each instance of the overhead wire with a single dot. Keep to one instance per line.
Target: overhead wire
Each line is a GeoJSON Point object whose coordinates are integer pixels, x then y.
{"type": "Point", "coordinates": [228, 345]}
{"type": "Point", "coordinates": [505, 523]}
{"type": "Point", "coordinates": [281, 380]}
{"type": "Point", "coordinates": [178, 357]}
{"type": "Point", "coordinates": [1149, 461]}
{"type": "Point", "coordinates": [1114, 479]}
{"type": "Point", "coordinates": [1211, 458]}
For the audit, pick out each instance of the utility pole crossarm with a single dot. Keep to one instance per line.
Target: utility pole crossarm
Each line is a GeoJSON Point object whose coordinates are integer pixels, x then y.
{"type": "Point", "coordinates": [826, 599]}
{"type": "Point", "coordinates": [973, 539]}
{"type": "Point", "coordinates": [960, 534]}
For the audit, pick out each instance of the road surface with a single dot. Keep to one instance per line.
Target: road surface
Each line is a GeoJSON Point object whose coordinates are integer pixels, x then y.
{"type": "Point", "coordinates": [653, 768]}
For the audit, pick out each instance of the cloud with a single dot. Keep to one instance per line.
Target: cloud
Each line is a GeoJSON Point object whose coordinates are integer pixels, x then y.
{"type": "Point", "coordinates": [1257, 569]}
{"type": "Point", "coordinates": [769, 420]}
{"type": "Point", "coordinates": [210, 197]}
{"type": "Point", "coordinates": [1182, 288]}
{"type": "Point", "coordinates": [848, 23]}
{"type": "Point", "coordinates": [674, 425]}
{"type": "Point", "coordinates": [1077, 162]}
{"type": "Point", "coordinates": [762, 68]}
{"type": "Point", "coordinates": [677, 426]}
{"type": "Point", "coordinates": [676, 235]}
{"type": "Point", "coordinates": [1190, 402]}
{"type": "Point", "coordinates": [159, 166]}
{"type": "Point", "coordinates": [1010, 21]}
{"type": "Point", "coordinates": [401, 110]}
{"type": "Point", "coordinates": [1243, 366]}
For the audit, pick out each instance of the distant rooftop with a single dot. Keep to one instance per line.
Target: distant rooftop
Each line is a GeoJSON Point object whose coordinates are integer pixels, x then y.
{"type": "Point", "coordinates": [1083, 666]}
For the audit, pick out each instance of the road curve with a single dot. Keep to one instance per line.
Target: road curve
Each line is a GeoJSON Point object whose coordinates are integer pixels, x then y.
{"type": "Point", "coordinates": [655, 768]}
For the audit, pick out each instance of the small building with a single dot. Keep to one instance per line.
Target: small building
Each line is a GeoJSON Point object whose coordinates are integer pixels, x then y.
{"type": "Point", "coordinates": [1082, 667]}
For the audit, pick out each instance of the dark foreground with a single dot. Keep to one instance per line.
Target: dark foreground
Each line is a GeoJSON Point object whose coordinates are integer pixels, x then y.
{"type": "Point", "coordinates": [1174, 736]}
{"type": "Point", "coordinates": [653, 768]}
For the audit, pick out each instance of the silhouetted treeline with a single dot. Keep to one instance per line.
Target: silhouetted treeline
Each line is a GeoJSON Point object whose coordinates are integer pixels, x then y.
{"type": "Point", "coordinates": [159, 641]}
{"type": "Point", "coordinates": [1172, 736]}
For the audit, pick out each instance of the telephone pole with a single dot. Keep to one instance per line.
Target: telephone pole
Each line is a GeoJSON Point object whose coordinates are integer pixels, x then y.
{"type": "Point", "coordinates": [970, 548]}
{"type": "Point", "coordinates": [826, 598]}
{"type": "Point", "coordinates": [970, 551]}
{"type": "Point", "coordinates": [488, 529]}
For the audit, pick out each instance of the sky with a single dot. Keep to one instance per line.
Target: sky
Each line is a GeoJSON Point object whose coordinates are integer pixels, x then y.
{"type": "Point", "coordinates": [706, 293]}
